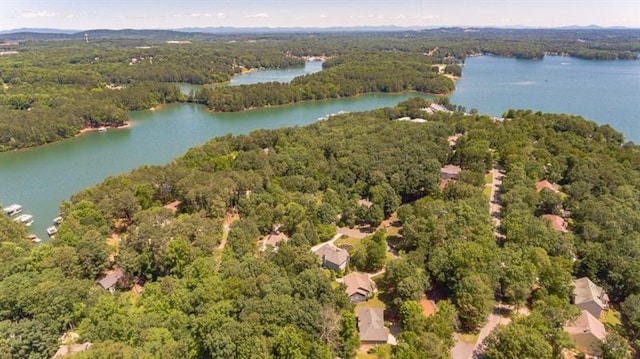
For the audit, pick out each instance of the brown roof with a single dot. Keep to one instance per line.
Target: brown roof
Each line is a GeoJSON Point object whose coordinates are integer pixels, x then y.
{"type": "Point", "coordinates": [70, 349]}
{"type": "Point", "coordinates": [274, 239]}
{"type": "Point", "coordinates": [173, 206]}
{"type": "Point", "coordinates": [371, 325]}
{"type": "Point", "coordinates": [358, 283]}
{"type": "Point", "coordinates": [586, 291]}
{"type": "Point", "coordinates": [546, 184]}
{"type": "Point", "coordinates": [558, 223]}
{"type": "Point", "coordinates": [451, 169]}
{"type": "Point", "coordinates": [586, 323]}
{"type": "Point", "coordinates": [111, 278]}
{"type": "Point", "coordinates": [332, 254]}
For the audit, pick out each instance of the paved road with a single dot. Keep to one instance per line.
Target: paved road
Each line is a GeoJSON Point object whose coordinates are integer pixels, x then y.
{"type": "Point", "coordinates": [462, 350]}
{"type": "Point", "coordinates": [333, 239]}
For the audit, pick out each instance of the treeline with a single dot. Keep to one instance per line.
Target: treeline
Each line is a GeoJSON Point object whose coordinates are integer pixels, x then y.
{"type": "Point", "coordinates": [343, 76]}
{"type": "Point", "coordinates": [50, 91]}
{"type": "Point", "coordinates": [244, 302]}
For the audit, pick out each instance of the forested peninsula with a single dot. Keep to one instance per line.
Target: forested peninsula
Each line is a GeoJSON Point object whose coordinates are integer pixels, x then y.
{"type": "Point", "coordinates": [54, 85]}
{"type": "Point", "coordinates": [200, 274]}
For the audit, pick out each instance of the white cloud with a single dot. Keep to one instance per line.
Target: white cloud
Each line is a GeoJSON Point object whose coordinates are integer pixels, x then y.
{"type": "Point", "coordinates": [218, 15]}
{"type": "Point", "coordinates": [37, 15]}
{"type": "Point", "coordinates": [260, 15]}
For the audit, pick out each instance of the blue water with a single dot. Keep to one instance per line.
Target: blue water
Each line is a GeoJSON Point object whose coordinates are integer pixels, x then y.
{"type": "Point", "coordinates": [607, 92]}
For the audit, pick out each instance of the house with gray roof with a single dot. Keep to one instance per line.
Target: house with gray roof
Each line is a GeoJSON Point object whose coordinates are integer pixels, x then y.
{"type": "Point", "coordinates": [359, 286]}
{"type": "Point", "coordinates": [590, 297]}
{"type": "Point", "coordinates": [110, 280]}
{"type": "Point", "coordinates": [371, 326]}
{"type": "Point", "coordinates": [587, 332]}
{"type": "Point", "coordinates": [450, 172]}
{"type": "Point", "coordinates": [333, 257]}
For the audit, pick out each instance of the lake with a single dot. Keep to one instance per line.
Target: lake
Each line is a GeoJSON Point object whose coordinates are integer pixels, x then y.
{"type": "Point", "coordinates": [602, 91]}
{"type": "Point", "coordinates": [40, 178]}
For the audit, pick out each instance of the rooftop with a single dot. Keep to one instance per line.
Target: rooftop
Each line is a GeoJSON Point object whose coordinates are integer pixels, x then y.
{"type": "Point", "coordinates": [333, 254]}
{"type": "Point", "coordinates": [548, 185]}
{"type": "Point", "coordinates": [358, 283]}
{"type": "Point", "coordinates": [586, 323]}
{"type": "Point", "coordinates": [586, 291]}
{"type": "Point", "coordinates": [371, 325]}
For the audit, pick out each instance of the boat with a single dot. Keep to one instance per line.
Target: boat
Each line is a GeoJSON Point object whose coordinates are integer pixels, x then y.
{"type": "Point", "coordinates": [102, 129]}
{"type": "Point", "coordinates": [25, 219]}
{"type": "Point", "coordinates": [13, 209]}
{"type": "Point", "coordinates": [57, 220]}
{"type": "Point", "coordinates": [52, 230]}
{"type": "Point", "coordinates": [33, 238]}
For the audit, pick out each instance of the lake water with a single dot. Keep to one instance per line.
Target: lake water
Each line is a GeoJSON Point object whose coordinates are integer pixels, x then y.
{"type": "Point", "coordinates": [40, 178]}
{"type": "Point", "coordinates": [602, 91]}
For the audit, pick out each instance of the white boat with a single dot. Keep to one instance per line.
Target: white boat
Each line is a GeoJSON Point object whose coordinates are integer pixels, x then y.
{"type": "Point", "coordinates": [33, 238]}
{"type": "Point", "coordinates": [57, 220]}
{"type": "Point", "coordinates": [52, 230]}
{"type": "Point", "coordinates": [25, 219]}
{"type": "Point", "coordinates": [102, 129]}
{"type": "Point", "coordinates": [13, 209]}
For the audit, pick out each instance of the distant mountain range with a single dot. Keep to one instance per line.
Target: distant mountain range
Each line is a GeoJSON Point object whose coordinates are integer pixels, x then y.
{"type": "Point", "coordinates": [236, 30]}
{"type": "Point", "coordinates": [39, 34]}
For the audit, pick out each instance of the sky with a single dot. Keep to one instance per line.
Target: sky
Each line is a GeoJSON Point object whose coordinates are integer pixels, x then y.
{"type": "Point", "coordinates": [172, 14]}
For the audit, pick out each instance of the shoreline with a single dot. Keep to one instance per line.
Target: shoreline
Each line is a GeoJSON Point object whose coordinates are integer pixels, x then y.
{"type": "Point", "coordinates": [93, 129]}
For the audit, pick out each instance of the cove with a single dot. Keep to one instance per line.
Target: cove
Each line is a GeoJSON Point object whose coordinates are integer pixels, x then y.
{"type": "Point", "coordinates": [606, 92]}
{"type": "Point", "coordinates": [40, 178]}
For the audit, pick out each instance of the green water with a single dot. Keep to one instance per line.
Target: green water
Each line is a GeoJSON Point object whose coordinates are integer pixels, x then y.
{"type": "Point", "coordinates": [40, 178]}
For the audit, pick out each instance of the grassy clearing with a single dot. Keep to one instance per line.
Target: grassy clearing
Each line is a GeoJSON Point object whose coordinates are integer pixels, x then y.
{"type": "Point", "coordinates": [488, 178]}
{"type": "Point", "coordinates": [487, 192]}
{"type": "Point", "coordinates": [610, 317]}
{"type": "Point", "coordinates": [371, 303]}
{"type": "Point", "coordinates": [468, 338]}
{"type": "Point", "coordinates": [361, 355]}
{"type": "Point", "coordinates": [353, 242]}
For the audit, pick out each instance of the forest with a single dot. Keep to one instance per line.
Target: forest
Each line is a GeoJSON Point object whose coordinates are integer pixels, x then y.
{"type": "Point", "coordinates": [57, 84]}
{"type": "Point", "coordinates": [196, 283]}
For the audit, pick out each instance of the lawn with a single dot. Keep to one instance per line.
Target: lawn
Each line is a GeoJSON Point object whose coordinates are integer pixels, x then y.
{"type": "Point", "coordinates": [371, 303]}
{"type": "Point", "coordinates": [353, 242]}
{"type": "Point", "coordinates": [610, 318]}
{"type": "Point", "coordinates": [488, 178]}
{"type": "Point", "coordinates": [468, 338]}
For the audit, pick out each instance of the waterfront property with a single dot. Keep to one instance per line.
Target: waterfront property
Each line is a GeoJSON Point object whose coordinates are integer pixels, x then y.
{"type": "Point", "coordinates": [109, 280]}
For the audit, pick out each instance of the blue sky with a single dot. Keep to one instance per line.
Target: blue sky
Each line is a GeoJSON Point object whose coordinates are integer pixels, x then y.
{"type": "Point", "coordinates": [155, 14]}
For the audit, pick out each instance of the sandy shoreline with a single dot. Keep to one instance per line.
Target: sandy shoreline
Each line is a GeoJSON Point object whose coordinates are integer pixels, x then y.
{"type": "Point", "coordinates": [92, 129]}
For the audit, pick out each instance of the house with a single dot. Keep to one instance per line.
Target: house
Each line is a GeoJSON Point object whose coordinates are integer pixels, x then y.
{"type": "Point", "coordinates": [371, 326]}
{"type": "Point", "coordinates": [173, 206]}
{"type": "Point", "coordinates": [71, 349]}
{"type": "Point", "coordinates": [358, 286]}
{"type": "Point", "coordinates": [109, 281]}
{"type": "Point", "coordinates": [558, 223]}
{"type": "Point", "coordinates": [273, 240]}
{"type": "Point", "coordinates": [548, 185]}
{"type": "Point", "coordinates": [587, 332]}
{"type": "Point", "coordinates": [365, 203]}
{"type": "Point", "coordinates": [588, 296]}
{"type": "Point", "coordinates": [450, 172]}
{"type": "Point", "coordinates": [333, 257]}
